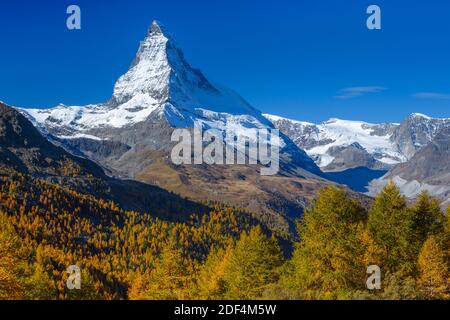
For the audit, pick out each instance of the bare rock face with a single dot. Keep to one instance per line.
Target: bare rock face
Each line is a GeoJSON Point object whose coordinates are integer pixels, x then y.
{"type": "Point", "coordinates": [352, 156]}
{"type": "Point", "coordinates": [431, 163]}
{"type": "Point", "coordinates": [416, 132]}
{"type": "Point", "coordinates": [428, 169]}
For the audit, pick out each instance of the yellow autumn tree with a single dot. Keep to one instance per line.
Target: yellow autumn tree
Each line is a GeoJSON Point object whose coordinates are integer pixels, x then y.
{"type": "Point", "coordinates": [171, 278]}
{"type": "Point", "coordinates": [211, 284]}
{"type": "Point", "coordinates": [254, 265]}
{"type": "Point", "coordinates": [390, 224]}
{"type": "Point", "coordinates": [11, 264]}
{"type": "Point", "coordinates": [434, 272]}
{"type": "Point", "coordinates": [328, 261]}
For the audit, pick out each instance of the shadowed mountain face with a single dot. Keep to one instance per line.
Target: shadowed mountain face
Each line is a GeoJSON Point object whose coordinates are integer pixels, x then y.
{"type": "Point", "coordinates": [24, 149]}
{"type": "Point", "coordinates": [430, 163]}
{"type": "Point", "coordinates": [356, 178]}
{"type": "Point", "coordinates": [130, 135]}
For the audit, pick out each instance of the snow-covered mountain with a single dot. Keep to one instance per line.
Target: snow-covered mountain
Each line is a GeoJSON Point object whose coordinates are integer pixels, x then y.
{"type": "Point", "coordinates": [338, 145]}
{"type": "Point", "coordinates": [415, 153]}
{"type": "Point", "coordinates": [130, 135]}
{"type": "Point", "coordinates": [160, 83]}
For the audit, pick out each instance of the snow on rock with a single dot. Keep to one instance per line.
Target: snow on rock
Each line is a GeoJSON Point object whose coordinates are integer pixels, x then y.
{"type": "Point", "coordinates": [159, 81]}
{"type": "Point", "coordinates": [319, 139]}
{"type": "Point", "coordinates": [410, 189]}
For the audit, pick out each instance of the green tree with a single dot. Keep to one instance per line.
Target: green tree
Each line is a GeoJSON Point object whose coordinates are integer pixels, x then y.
{"type": "Point", "coordinates": [390, 225]}
{"type": "Point", "coordinates": [41, 285]}
{"type": "Point", "coordinates": [88, 291]}
{"type": "Point", "coordinates": [428, 218]}
{"type": "Point", "coordinates": [328, 260]}
{"type": "Point", "coordinates": [398, 286]}
{"type": "Point", "coordinates": [254, 265]}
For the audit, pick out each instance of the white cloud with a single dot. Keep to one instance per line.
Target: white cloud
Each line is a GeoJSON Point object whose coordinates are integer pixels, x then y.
{"type": "Point", "coordinates": [432, 95]}
{"type": "Point", "coordinates": [354, 92]}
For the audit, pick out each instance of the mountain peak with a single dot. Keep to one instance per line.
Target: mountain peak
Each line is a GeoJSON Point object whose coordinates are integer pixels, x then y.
{"type": "Point", "coordinates": [419, 115]}
{"type": "Point", "coordinates": [157, 29]}
{"type": "Point", "coordinates": [160, 74]}
{"type": "Point", "coordinates": [159, 81]}
{"type": "Point", "coordinates": [154, 28]}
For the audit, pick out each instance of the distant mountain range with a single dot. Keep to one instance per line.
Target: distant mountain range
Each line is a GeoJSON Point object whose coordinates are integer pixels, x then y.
{"type": "Point", "coordinates": [415, 153]}
{"type": "Point", "coordinates": [129, 137]}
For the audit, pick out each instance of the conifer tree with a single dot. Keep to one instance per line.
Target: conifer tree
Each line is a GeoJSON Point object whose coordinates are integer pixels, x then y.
{"type": "Point", "coordinates": [41, 284]}
{"type": "Point", "coordinates": [171, 278]}
{"type": "Point", "coordinates": [88, 291]}
{"type": "Point", "coordinates": [428, 218]}
{"type": "Point", "coordinates": [434, 272]}
{"type": "Point", "coordinates": [211, 278]}
{"type": "Point", "coordinates": [254, 265]}
{"type": "Point", "coordinates": [390, 224]}
{"type": "Point", "coordinates": [329, 257]}
{"type": "Point", "coordinates": [11, 281]}
{"type": "Point", "coordinates": [399, 285]}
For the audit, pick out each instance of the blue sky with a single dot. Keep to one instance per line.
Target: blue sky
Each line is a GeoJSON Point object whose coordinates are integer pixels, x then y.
{"type": "Point", "coordinates": [304, 59]}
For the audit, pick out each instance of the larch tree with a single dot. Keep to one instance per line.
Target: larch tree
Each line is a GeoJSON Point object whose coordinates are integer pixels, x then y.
{"type": "Point", "coordinates": [434, 272]}
{"type": "Point", "coordinates": [254, 264]}
{"type": "Point", "coordinates": [329, 259]}
{"type": "Point", "coordinates": [171, 278]}
{"type": "Point", "coordinates": [11, 264]}
{"type": "Point", "coordinates": [211, 283]}
{"type": "Point", "coordinates": [428, 219]}
{"type": "Point", "coordinates": [390, 225]}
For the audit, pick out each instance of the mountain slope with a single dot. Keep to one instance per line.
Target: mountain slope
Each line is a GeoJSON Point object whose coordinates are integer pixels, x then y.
{"type": "Point", "coordinates": [337, 145]}
{"type": "Point", "coordinates": [23, 149]}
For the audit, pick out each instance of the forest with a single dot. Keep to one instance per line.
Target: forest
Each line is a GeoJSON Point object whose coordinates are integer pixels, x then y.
{"type": "Point", "coordinates": [226, 254]}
